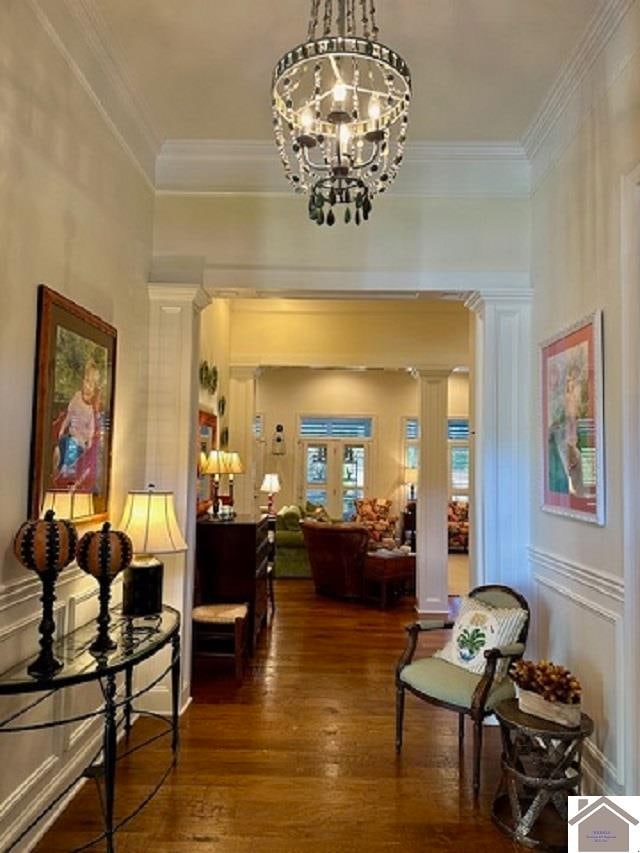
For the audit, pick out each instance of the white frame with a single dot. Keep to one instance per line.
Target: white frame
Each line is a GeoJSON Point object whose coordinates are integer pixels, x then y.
{"type": "Point", "coordinates": [595, 319]}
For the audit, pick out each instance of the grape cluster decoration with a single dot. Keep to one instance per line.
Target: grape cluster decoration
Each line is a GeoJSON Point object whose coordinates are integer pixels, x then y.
{"type": "Point", "coordinates": [553, 682]}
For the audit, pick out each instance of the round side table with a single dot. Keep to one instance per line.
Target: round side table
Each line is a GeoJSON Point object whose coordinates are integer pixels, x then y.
{"type": "Point", "coordinates": [541, 767]}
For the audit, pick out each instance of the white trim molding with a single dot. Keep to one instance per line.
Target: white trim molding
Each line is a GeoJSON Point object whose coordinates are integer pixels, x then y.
{"type": "Point", "coordinates": [630, 319]}
{"type": "Point", "coordinates": [578, 87]}
{"type": "Point", "coordinates": [76, 28]}
{"type": "Point", "coordinates": [430, 170]}
{"type": "Point", "coordinates": [602, 595]}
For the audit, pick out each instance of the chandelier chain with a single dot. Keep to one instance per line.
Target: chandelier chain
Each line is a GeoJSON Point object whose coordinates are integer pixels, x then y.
{"type": "Point", "coordinates": [365, 19]}
{"type": "Point", "coordinates": [372, 18]}
{"type": "Point", "coordinates": [328, 9]}
{"type": "Point", "coordinates": [313, 19]}
{"type": "Point", "coordinates": [350, 17]}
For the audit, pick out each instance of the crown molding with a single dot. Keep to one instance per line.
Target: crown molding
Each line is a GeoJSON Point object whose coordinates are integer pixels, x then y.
{"type": "Point", "coordinates": [435, 170]}
{"type": "Point", "coordinates": [556, 105]}
{"type": "Point", "coordinates": [78, 31]}
{"type": "Point", "coordinates": [338, 283]}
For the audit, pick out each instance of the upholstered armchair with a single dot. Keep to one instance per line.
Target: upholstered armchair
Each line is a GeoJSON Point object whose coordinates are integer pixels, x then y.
{"type": "Point", "coordinates": [443, 683]}
{"type": "Point", "coordinates": [336, 556]}
{"type": "Point", "coordinates": [375, 515]}
{"type": "Point", "coordinates": [458, 525]}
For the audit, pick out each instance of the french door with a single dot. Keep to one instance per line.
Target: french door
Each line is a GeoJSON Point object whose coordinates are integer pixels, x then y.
{"type": "Point", "coordinates": [334, 472]}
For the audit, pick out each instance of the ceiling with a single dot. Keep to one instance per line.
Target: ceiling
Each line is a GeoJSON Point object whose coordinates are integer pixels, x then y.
{"type": "Point", "coordinates": [481, 68]}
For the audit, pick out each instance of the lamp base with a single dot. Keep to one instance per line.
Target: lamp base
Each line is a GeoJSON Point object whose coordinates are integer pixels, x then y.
{"type": "Point", "coordinates": [142, 588]}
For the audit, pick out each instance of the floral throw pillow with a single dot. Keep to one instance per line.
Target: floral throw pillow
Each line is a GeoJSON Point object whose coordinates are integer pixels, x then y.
{"type": "Point", "coordinates": [480, 627]}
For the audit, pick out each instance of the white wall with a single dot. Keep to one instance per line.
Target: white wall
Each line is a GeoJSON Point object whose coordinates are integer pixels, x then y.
{"type": "Point", "coordinates": [576, 246]}
{"type": "Point", "coordinates": [284, 394]}
{"type": "Point", "coordinates": [77, 215]}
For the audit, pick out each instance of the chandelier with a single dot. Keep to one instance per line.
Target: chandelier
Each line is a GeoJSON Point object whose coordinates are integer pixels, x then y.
{"type": "Point", "coordinates": [340, 111]}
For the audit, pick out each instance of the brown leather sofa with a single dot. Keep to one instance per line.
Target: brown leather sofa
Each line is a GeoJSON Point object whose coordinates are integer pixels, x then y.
{"type": "Point", "coordinates": [336, 556]}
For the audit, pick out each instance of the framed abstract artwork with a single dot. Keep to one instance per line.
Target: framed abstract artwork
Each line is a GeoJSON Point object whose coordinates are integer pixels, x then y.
{"type": "Point", "coordinates": [572, 422]}
{"type": "Point", "coordinates": [72, 427]}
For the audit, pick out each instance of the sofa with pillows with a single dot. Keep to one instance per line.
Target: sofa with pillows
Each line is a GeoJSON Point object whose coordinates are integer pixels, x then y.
{"type": "Point", "coordinates": [292, 560]}
{"type": "Point", "coordinates": [458, 526]}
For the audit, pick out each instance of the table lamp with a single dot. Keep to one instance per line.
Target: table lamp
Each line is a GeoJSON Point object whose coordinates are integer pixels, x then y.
{"type": "Point", "coordinates": [271, 485]}
{"type": "Point", "coordinates": [234, 466]}
{"type": "Point", "coordinates": [215, 464]}
{"type": "Point", "coordinates": [149, 520]}
{"type": "Point", "coordinates": [411, 479]}
{"type": "Point", "coordinates": [68, 503]}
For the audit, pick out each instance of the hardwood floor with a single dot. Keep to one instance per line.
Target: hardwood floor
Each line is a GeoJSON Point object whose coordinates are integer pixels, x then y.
{"type": "Point", "coordinates": [300, 757]}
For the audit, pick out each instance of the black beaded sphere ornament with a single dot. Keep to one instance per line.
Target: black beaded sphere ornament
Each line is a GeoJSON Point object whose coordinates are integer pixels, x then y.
{"type": "Point", "coordinates": [103, 553]}
{"type": "Point", "coordinates": [46, 546]}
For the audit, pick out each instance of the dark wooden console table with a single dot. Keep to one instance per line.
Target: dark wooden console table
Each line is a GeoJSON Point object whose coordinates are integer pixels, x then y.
{"type": "Point", "coordinates": [231, 565]}
{"type": "Point", "coordinates": [541, 766]}
{"type": "Point", "coordinates": [138, 639]}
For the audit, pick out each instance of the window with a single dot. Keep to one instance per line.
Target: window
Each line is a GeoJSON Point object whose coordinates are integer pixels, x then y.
{"type": "Point", "coordinates": [458, 436]}
{"type": "Point", "coordinates": [411, 443]}
{"type": "Point", "coordinates": [458, 430]}
{"type": "Point", "coordinates": [335, 427]}
{"type": "Point", "coordinates": [334, 453]}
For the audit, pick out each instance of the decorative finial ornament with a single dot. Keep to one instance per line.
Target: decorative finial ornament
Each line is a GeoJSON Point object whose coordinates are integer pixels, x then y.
{"type": "Point", "coordinates": [103, 553]}
{"type": "Point", "coordinates": [46, 546]}
{"type": "Point", "coordinates": [340, 106]}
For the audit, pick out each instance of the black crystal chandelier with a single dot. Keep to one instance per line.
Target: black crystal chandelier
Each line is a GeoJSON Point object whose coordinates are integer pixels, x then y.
{"type": "Point", "coordinates": [340, 111]}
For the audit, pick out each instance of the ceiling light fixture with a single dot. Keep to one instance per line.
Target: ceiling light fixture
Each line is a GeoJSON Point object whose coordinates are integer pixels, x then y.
{"type": "Point", "coordinates": [340, 111]}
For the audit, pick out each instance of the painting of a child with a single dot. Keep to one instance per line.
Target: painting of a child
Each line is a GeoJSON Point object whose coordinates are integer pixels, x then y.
{"type": "Point", "coordinates": [74, 402]}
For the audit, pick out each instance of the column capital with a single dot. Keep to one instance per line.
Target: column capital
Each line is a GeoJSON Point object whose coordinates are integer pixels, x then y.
{"type": "Point", "coordinates": [432, 372]}
{"type": "Point", "coordinates": [480, 299]}
{"type": "Point", "coordinates": [244, 371]}
{"type": "Point", "coordinates": [179, 293]}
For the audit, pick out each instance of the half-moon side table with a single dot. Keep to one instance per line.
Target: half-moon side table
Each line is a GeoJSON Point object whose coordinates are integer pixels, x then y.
{"type": "Point", "coordinates": [138, 639]}
{"type": "Point", "coordinates": [541, 766]}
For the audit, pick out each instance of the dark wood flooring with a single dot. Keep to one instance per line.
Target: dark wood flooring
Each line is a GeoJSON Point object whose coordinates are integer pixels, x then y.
{"type": "Point", "coordinates": [300, 757]}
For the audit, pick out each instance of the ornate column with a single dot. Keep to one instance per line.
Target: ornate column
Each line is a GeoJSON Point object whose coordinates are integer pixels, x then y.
{"type": "Point", "coordinates": [502, 451]}
{"type": "Point", "coordinates": [433, 493]}
{"type": "Point", "coordinates": [242, 397]}
{"type": "Point", "coordinates": [174, 351]}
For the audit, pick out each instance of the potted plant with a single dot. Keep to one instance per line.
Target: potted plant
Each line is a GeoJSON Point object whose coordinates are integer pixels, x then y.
{"type": "Point", "coordinates": [548, 690]}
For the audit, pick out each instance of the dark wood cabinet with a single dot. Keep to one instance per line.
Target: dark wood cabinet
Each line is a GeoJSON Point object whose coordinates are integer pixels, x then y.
{"type": "Point", "coordinates": [231, 565]}
{"type": "Point", "coordinates": [409, 525]}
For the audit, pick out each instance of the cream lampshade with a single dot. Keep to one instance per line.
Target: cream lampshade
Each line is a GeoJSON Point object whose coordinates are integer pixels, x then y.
{"type": "Point", "coordinates": [67, 503]}
{"type": "Point", "coordinates": [411, 479]}
{"type": "Point", "coordinates": [234, 466]}
{"type": "Point", "coordinates": [215, 464]}
{"type": "Point", "coordinates": [149, 520]}
{"type": "Point", "coordinates": [270, 485]}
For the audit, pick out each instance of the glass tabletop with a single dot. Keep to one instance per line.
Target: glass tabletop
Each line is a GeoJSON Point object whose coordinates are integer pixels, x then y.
{"type": "Point", "coordinates": [137, 638]}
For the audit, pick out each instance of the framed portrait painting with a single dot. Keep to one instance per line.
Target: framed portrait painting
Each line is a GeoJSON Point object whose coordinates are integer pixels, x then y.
{"type": "Point", "coordinates": [72, 425]}
{"type": "Point", "coordinates": [572, 428]}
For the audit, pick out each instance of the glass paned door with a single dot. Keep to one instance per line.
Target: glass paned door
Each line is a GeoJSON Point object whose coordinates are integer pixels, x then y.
{"type": "Point", "coordinates": [316, 472]}
{"type": "Point", "coordinates": [353, 477]}
{"type": "Point", "coordinates": [334, 475]}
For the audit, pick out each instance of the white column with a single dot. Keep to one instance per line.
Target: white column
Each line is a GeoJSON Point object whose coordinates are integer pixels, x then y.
{"type": "Point", "coordinates": [433, 494]}
{"type": "Point", "coordinates": [242, 404]}
{"type": "Point", "coordinates": [174, 344]}
{"type": "Point", "coordinates": [501, 438]}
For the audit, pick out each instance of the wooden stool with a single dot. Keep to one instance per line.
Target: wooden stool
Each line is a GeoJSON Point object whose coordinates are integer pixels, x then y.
{"type": "Point", "coordinates": [219, 623]}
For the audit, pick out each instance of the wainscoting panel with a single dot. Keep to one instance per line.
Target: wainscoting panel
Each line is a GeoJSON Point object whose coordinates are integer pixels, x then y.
{"type": "Point", "coordinates": [578, 618]}
{"type": "Point", "coordinates": [44, 762]}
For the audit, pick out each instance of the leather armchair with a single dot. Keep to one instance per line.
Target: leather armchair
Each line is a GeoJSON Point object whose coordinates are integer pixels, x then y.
{"type": "Point", "coordinates": [336, 556]}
